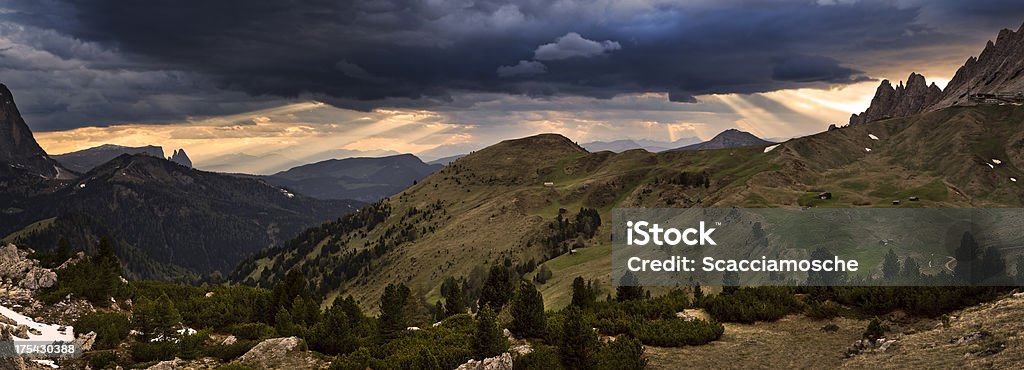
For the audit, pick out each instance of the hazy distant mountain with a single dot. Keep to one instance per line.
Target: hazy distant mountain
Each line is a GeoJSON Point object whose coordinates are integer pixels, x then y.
{"type": "Point", "coordinates": [364, 179]}
{"type": "Point", "coordinates": [84, 160]}
{"type": "Point", "coordinates": [450, 150]}
{"type": "Point", "coordinates": [167, 219]}
{"type": "Point", "coordinates": [446, 160]}
{"type": "Point", "coordinates": [654, 146]}
{"type": "Point", "coordinates": [274, 162]}
{"type": "Point", "coordinates": [731, 138]}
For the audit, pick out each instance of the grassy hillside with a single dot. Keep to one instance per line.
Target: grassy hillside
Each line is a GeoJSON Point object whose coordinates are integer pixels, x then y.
{"type": "Point", "coordinates": [495, 204]}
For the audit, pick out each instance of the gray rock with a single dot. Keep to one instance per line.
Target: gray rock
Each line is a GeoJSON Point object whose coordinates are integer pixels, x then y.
{"type": "Point", "coordinates": [502, 362]}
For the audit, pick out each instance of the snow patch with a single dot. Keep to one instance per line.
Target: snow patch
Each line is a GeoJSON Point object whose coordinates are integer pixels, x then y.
{"type": "Point", "coordinates": [81, 186]}
{"type": "Point", "coordinates": [47, 333]}
{"type": "Point", "coordinates": [47, 363]}
{"type": "Point", "coordinates": [1014, 179]}
{"type": "Point", "coordinates": [996, 161]}
{"type": "Point", "coordinates": [770, 148]}
{"type": "Point", "coordinates": [990, 165]}
{"type": "Point", "coordinates": [873, 137]}
{"type": "Point", "coordinates": [867, 149]}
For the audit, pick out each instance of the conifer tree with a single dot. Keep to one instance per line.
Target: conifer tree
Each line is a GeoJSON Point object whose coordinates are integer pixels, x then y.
{"type": "Point", "coordinates": [528, 319]}
{"type": "Point", "coordinates": [890, 266]}
{"type": "Point", "coordinates": [488, 340]}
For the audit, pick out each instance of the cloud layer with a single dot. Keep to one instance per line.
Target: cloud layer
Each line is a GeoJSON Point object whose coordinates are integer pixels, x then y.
{"type": "Point", "coordinates": [98, 62]}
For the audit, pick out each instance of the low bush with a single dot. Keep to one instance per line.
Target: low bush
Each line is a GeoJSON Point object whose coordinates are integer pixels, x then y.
{"type": "Point", "coordinates": [751, 304]}
{"type": "Point", "coordinates": [153, 351]}
{"type": "Point", "coordinates": [110, 328]}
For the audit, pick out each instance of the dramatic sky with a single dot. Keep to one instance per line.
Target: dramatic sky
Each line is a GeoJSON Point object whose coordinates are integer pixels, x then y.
{"type": "Point", "coordinates": [273, 82]}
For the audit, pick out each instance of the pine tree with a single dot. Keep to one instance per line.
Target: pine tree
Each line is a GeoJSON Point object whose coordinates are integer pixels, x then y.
{"type": "Point", "coordinates": [488, 340]}
{"type": "Point", "coordinates": [629, 288]}
{"type": "Point", "coordinates": [144, 317]}
{"type": "Point", "coordinates": [890, 266]}
{"type": "Point", "coordinates": [730, 281]}
{"type": "Point", "coordinates": [911, 270]}
{"type": "Point", "coordinates": [455, 300]}
{"type": "Point", "coordinates": [992, 267]}
{"type": "Point", "coordinates": [168, 317]}
{"type": "Point", "coordinates": [583, 294]}
{"type": "Point", "coordinates": [579, 342]}
{"type": "Point", "coordinates": [333, 333]}
{"type": "Point", "coordinates": [392, 311]}
{"type": "Point", "coordinates": [528, 319]}
{"type": "Point", "coordinates": [966, 258]}
{"type": "Point", "coordinates": [498, 289]}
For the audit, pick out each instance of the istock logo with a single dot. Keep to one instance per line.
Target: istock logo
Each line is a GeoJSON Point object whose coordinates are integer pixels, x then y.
{"type": "Point", "coordinates": [638, 233]}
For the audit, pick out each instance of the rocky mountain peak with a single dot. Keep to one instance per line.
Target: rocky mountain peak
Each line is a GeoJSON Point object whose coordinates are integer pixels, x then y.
{"type": "Point", "coordinates": [18, 148]}
{"type": "Point", "coordinates": [904, 100]}
{"type": "Point", "coordinates": [181, 158]}
{"type": "Point", "coordinates": [999, 68]}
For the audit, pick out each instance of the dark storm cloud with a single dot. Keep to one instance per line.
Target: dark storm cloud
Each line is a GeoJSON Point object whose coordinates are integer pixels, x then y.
{"type": "Point", "coordinates": [804, 68]}
{"type": "Point", "coordinates": [367, 54]}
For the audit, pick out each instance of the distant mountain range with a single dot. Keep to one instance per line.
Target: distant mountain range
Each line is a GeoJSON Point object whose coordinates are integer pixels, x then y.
{"type": "Point", "coordinates": [731, 138]}
{"type": "Point", "coordinates": [653, 146]}
{"type": "Point", "coordinates": [363, 179]}
{"type": "Point", "coordinates": [446, 160]}
{"type": "Point", "coordinates": [167, 221]}
{"type": "Point", "coordinates": [85, 160]}
{"type": "Point", "coordinates": [274, 162]}
{"type": "Point", "coordinates": [999, 69]}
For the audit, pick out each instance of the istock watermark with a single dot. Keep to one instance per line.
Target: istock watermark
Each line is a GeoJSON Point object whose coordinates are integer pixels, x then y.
{"type": "Point", "coordinates": [818, 246]}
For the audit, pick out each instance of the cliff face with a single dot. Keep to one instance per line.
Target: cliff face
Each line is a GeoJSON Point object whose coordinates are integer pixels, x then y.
{"type": "Point", "coordinates": [889, 102]}
{"type": "Point", "coordinates": [998, 69]}
{"type": "Point", "coordinates": [18, 149]}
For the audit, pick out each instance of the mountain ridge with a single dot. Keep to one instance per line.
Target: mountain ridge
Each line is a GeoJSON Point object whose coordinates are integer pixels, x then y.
{"type": "Point", "coordinates": [361, 178]}
{"type": "Point", "coordinates": [731, 138]}
{"type": "Point", "coordinates": [84, 160]}
{"type": "Point", "coordinates": [998, 69]}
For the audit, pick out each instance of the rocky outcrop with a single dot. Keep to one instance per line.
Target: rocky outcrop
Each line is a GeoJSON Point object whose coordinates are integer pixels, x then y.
{"type": "Point", "coordinates": [998, 69]}
{"type": "Point", "coordinates": [181, 158]}
{"type": "Point", "coordinates": [281, 353]}
{"type": "Point", "coordinates": [890, 102]}
{"type": "Point", "coordinates": [22, 272]}
{"type": "Point", "coordinates": [502, 362]}
{"type": "Point", "coordinates": [18, 148]}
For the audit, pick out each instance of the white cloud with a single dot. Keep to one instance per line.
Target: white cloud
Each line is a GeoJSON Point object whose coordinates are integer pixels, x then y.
{"type": "Point", "coordinates": [523, 68]}
{"type": "Point", "coordinates": [573, 45]}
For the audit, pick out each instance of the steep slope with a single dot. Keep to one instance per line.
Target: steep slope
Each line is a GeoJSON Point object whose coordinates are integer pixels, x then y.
{"type": "Point", "coordinates": [998, 69]}
{"type": "Point", "coordinates": [364, 179]}
{"type": "Point", "coordinates": [502, 202]}
{"type": "Point", "coordinates": [171, 215]}
{"type": "Point", "coordinates": [731, 138]}
{"type": "Point", "coordinates": [18, 149]}
{"type": "Point", "coordinates": [890, 102]}
{"type": "Point", "coordinates": [85, 160]}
